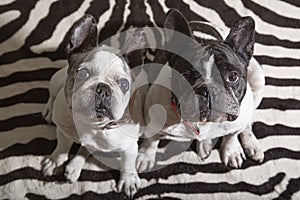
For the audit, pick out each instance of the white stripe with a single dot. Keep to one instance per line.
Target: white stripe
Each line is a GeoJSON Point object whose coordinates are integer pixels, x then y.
{"type": "Point", "coordinates": [296, 195]}
{"type": "Point", "coordinates": [163, 5]}
{"type": "Point", "coordinates": [106, 15]}
{"type": "Point", "coordinates": [203, 35]}
{"type": "Point", "coordinates": [219, 195]}
{"type": "Point", "coordinates": [61, 30]}
{"type": "Point", "coordinates": [8, 17]}
{"type": "Point", "coordinates": [5, 2]}
{"type": "Point", "coordinates": [149, 12]}
{"type": "Point", "coordinates": [263, 27]}
{"type": "Point", "coordinates": [20, 109]}
{"type": "Point", "coordinates": [208, 13]}
{"type": "Point", "coordinates": [282, 92]}
{"type": "Point", "coordinates": [281, 72]}
{"type": "Point", "coordinates": [249, 175]}
{"type": "Point", "coordinates": [26, 134]}
{"type": "Point", "coordinates": [21, 88]}
{"type": "Point", "coordinates": [40, 11]}
{"type": "Point", "coordinates": [272, 117]}
{"type": "Point", "coordinates": [276, 51]}
{"type": "Point", "coordinates": [30, 64]}
{"type": "Point", "coordinates": [114, 40]}
{"type": "Point", "coordinates": [280, 7]}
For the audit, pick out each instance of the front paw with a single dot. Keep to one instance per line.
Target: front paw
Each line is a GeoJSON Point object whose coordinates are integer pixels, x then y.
{"type": "Point", "coordinates": [48, 167]}
{"type": "Point", "coordinates": [233, 155]}
{"type": "Point", "coordinates": [129, 183]}
{"type": "Point", "coordinates": [145, 161]}
{"type": "Point", "coordinates": [254, 150]}
{"type": "Point", "coordinates": [72, 173]}
{"type": "Point", "coordinates": [204, 148]}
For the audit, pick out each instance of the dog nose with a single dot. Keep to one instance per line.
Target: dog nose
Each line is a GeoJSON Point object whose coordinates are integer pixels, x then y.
{"type": "Point", "coordinates": [204, 92]}
{"type": "Point", "coordinates": [103, 91]}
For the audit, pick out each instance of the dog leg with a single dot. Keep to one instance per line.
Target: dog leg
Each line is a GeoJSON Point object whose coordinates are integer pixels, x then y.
{"type": "Point", "coordinates": [129, 180]}
{"type": "Point", "coordinates": [231, 151]}
{"type": "Point", "coordinates": [251, 145]}
{"type": "Point", "coordinates": [147, 153]}
{"type": "Point", "coordinates": [58, 156]}
{"type": "Point", "coordinates": [204, 148]}
{"type": "Point", "coordinates": [74, 167]}
{"type": "Point", "coordinates": [47, 112]}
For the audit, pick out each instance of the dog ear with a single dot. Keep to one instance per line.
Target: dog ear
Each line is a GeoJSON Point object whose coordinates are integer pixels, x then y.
{"type": "Point", "coordinates": [176, 21]}
{"type": "Point", "coordinates": [242, 37]}
{"type": "Point", "coordinates": [134, 48]}
{"type": "Point", "coordinates": [83, 36]}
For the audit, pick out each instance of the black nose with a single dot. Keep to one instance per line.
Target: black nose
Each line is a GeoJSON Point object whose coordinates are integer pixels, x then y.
{"type": "Point", "coordinates": [103, 99]}
{"type": "Point", "coordinates": [103, 91]}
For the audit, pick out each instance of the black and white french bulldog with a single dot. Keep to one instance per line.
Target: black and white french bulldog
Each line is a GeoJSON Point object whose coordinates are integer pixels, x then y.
{"type": "Point", "coordinates": [89, 103]}
{"type": "Point", "coordinates": [226, 83]}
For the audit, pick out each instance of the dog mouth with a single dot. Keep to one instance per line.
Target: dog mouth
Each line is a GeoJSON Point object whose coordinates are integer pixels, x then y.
{"type": "Point", "coordinates": [217, 117]}
{"type": "Point", "coordinates": [103, 114]}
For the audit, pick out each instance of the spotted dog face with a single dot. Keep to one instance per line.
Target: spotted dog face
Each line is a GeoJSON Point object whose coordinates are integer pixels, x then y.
{"type": "Point", "coordinates": [216, 71]}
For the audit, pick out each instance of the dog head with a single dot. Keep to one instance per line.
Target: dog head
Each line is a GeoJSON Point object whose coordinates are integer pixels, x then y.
{"type": "Point", "coordinates": [216, 71]}
{"type": "Point", "coordinates": [99, 79]}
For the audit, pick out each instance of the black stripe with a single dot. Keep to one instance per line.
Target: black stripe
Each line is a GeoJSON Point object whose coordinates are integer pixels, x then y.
{"type": "Point", "coordinates": [292, 2]}
{"type": "Point", "coordinates": [262, 130]}
{"type": "Point", "coordinates": [270, 16]}
{"type": "Point", "coordinates": [38, 146]}
{"type": "Point", "coordinates": [202, 187]}
{"type": "Point", "coordinates": [46, 27]}
{"type": "Point", "coordinates": [158, 12]}
{"type": "Point", "coordinates": [36, 95]}
{"type": "Point", "coordinates": [11, 28]}
{"type": "Point", "coordinates": [185, 9]}
{"type": "Point", "coordinates": [115, 21]}
{"type": "Point", "coordinates": [87, 195]}
{"type": "Point", "coordinates": [267, 60]}
{"type": "Point", "coordinates": [271, 40]}
{"type": "Point", "coordinates": [229, 16]}
{"type": "Point", "coordinates": [36, 75]}
{"type": "Point", "coordinates": [282, 82]}
{"type": "Point", "coordinates": [292, 187]}
{"type": "Point", "coordinates": [21, 121]}
{"type": "Point", "coordinates": [279, 104]}
{"type": "Point", "coordinates": [137, 16]}
{"type": "Point", "coordinates": [97, 8]}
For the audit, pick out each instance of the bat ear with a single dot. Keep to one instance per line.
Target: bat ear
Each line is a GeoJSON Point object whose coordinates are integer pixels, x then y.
{"type": "Point", "coordinates": [83, 36]}
{"type": "Point", "coordinates": [242, 37]}
{"type": "Point", "coordinates": [134, 48]}
{"type": "Point", "coordinates": [177, 22]}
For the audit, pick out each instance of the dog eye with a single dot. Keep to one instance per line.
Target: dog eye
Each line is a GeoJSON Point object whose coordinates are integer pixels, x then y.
{"type": "Point", "coordinates": [232, 77]}
{"type": "Point", "coordinates": [83, 74]}
{"type": "Point", "coordinates": [123, 84]}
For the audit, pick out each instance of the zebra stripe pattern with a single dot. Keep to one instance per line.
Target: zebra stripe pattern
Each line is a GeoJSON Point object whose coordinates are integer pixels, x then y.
{"type": "Point", "coordinates": [33, 35]}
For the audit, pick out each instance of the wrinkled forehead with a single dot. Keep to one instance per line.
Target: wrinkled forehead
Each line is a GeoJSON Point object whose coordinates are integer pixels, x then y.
{"type": "Point", "coordinates": [102, 61]}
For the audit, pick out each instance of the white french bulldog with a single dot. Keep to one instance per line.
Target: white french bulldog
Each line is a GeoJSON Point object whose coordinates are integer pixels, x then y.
{"type": "Point", "coordinates": [89, 103]}
{"type": "Point", "coordinates": [226, 86]}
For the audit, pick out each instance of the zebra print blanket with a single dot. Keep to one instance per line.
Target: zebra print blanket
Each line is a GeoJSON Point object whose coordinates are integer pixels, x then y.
{"type": "Point", "coordinates": [33, 34]}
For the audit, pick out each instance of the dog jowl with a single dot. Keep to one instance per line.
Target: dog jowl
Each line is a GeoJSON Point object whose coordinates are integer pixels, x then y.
{"type": "Point", "coordinates": [216, 70]}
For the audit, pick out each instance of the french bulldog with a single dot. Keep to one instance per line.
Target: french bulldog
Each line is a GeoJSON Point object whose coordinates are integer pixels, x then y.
{"type": "Point", "coordinates": [89, 103]}
{"type": "Point", "coordinates": [225, 87]}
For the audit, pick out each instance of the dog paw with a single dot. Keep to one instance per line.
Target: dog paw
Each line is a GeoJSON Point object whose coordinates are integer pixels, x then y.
{"type": "Point", "coordinates": [204, 148]}
{"type": "Point", "coordinates": [72, 173]}
{"type": "Point", "coordinates": [129, 183]}
{"type": "Point", "coordinates": [253, 150]}
{"type": "Point", "coordinates": [145, 161]}
{"type": "Point", "coordinates": [233, 155]}
{"type": "Point", "coordinates": [48, 167]}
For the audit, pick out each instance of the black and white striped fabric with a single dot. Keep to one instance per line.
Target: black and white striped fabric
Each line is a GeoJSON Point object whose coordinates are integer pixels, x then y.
{"type": "Point", "coordinates": [33, 34]}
